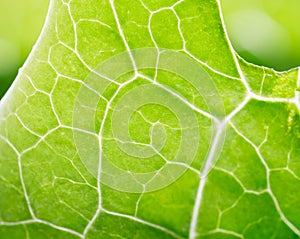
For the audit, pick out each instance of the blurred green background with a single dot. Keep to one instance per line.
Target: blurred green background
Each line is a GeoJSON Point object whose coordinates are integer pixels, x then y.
{"type": "Point", "coordinates": [20, 24]}
{"type": "Point", "coordinates": [265, 32]}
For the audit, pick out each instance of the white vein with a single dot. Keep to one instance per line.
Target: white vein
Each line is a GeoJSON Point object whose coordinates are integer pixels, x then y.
{"type": "Point", "coordinates": [276, 203]}
{"type": "Point", "coordinates": [210, 158]}
{"type": "Point", "coordinates": [122, 34]}
{"type": "Point", "coordinates": [297, 93]}
{"type": "Point", "coordinates": [160, 228]}
{"type": "Point", "coordinates": [182, 99]}
{"type": "Point", "coordinates": [194, 221]}
{"type": "Point", "coordinates": [262, 82]}
{"type": "Point", "coordinates": [207, 168]}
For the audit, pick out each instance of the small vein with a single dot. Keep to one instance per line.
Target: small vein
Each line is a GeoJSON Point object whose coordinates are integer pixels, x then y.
{"type": "Point", "coordinates": [85, 183]}
{"type": "Point", "coordinates": [138, 201]}
{"type": "Point", "coordinates": [166, 230]}
{"type": "Point", "coordinates": [275, 201]}
{"type": "Point", "coordinates": [74, 25]}
{"type": "Point", "coordinates": [95, 21]}
{"type": "Point", "coordinates": [233, 53]}
{"type": "Point", "coordinates": [9, 184]}
{"type": "Point", "coordinates": [26, 128]}
{"type": "Point", "coordinates": [297, 94]}
{"type": "Point", "coordinates": [2, 223]}
{"type": "Point", "coordinates": [74, 210]}
{"type": "Point", "coordinates": [122, 34]}
{"type": "Point", "coordinates": [100, 154]}
{"type": "Point", "coordinates": [42, 138]}
{"type": "Point", "coordinates": [21, 176]}
{"type": "Point", "coordinates": [209, 67]}
{"type": "Point", "coordinates": [82, 61]}
{"type": "Point", "coordinates": [202, 112]}
{"type": "Point", "coordinates": [59, 227]}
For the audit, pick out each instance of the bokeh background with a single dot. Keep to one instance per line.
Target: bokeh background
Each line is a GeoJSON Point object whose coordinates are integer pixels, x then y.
{"type": "Point", "coordinates": [265, 32]}
{"type": "Point", "coordinates": [21, 22]}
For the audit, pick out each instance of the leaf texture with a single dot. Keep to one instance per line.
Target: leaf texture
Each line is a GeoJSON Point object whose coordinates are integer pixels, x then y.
{"type": "Point", "coordinates": [137, 119]}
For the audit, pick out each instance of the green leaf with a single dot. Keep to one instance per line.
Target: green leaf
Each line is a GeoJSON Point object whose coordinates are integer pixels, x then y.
{"type": "Point", "coordinates": [137, 119]}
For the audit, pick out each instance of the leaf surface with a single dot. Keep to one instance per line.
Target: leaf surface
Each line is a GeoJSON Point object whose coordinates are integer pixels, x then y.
{"type": "Point", "coordinates": [136, 119]}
